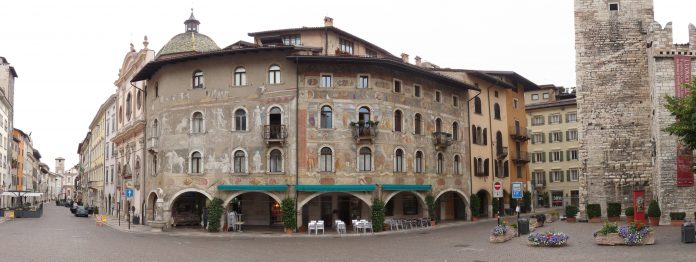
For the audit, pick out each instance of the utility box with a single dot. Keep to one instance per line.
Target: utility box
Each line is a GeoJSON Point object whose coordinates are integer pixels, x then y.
{"type": "Point", "coordinates": [523, 225]}
{"type": "Point", "coordinates": [687, 233]}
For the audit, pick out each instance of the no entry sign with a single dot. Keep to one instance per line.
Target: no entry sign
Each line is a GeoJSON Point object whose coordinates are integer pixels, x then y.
{"type": "Point", "coordinates": [497, 189]}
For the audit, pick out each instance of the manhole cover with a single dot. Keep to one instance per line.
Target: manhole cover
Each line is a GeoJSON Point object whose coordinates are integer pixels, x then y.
{"type": "Point", "coordinates": [462, 245]}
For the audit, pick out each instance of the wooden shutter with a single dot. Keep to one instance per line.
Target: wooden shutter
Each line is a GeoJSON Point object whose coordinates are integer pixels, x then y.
{"type": "Point", "coordinates": [568, 174]}
{"type": "Point", "coordinates": [561, 175]}
{"type": "Point", "coordinates": [550, 137]}
{"type": "Point", "coordinates": [560, 155]}
{"type": "Point", "coordinates": [485, 167]}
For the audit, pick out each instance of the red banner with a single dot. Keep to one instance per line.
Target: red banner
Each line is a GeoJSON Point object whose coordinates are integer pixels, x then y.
{"type": "Point", "coordinates": [639, 206]}
{"type": "Point", "coordinates": [682, 75]}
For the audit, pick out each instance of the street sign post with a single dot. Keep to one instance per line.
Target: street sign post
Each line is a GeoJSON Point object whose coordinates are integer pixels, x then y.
{"type": "Point", "coordinates": [517, 190]}
{"type": "Point", "coordinates": [129, 193]}
{"type": "Point", "coordinates": [497, 189]}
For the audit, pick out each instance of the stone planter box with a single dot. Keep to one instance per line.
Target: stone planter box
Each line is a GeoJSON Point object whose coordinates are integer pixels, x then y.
{"type": "Point", "coordinates": [676, 222]}
{"type": "Point", "coordinates": [596, 220]}
{"type": "Point", "coordinates": [613, 239]}
{"type": "Point", "coordinates": [511, 232]}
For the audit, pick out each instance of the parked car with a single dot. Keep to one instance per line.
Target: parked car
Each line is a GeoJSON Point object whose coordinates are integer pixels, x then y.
{"type": "Point", "coordinates": [81, 212]}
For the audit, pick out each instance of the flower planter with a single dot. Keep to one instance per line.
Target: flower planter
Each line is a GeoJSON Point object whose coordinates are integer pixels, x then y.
{"type": "Point", "coordinates": [654, 221]}
{"type": "Point", "coordinates": [432, 223]}
{"type": "Point", "coordinates": [629, 219]}
{"type": "Point", "coordinates": [504, 238]}
{"type": "Point", "coordinates": [548, 239]}
{"type": "Point", "coordinates": [614, 219]}
{"type": "Point", "coordinates": [288, 231]}
{"type": "Point", "coordinates": [596, 220]}
{"type": "Point", "coordinates": [571, 220]}
{"type": "Point", "coordinates": [474, 218]}
{"type": "Point", "coordinates": [676, 222]}
{"type": "Point", "coordinates": [610, 239]}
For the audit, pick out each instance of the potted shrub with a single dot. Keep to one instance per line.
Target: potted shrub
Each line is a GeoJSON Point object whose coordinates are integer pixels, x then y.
{"type": "Point", "coordinates": [214, 215]}
{"type": "Point", "coordinates": [677, 218]}
{"type": "Point", "coordinates": [377, 215]}
{"type": "Point", "coordinates": [614, 211]}
{"type": "Point", "coordinates": [594, 213]}
{"type": "Point", "coordinates": [430, 202]}
{"type": "Point", "coordinates": [474, 206]}
{"type": "Point", "coordinates": [629, 214]}
{"type": "Point", "coordinates": [654, 213]}
{"type": "Point", "coordinates": [571, 212]}
{"type": "Point", "coordinates": [289, 214]}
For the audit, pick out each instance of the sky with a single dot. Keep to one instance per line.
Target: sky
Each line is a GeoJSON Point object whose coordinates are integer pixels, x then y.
{"type": "Point", "coordinates": [68, 53]}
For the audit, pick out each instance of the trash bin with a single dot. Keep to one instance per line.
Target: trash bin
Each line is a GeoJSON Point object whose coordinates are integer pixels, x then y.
{"type": "Point", "coordinates": [136, 220]}
{"type": "Point", "coordinates": [687, 233]}
{"type": "Point", "coordinates": [523, 225]}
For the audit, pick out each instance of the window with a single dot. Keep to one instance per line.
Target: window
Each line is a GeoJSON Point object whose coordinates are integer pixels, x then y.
{"type": "Point", "coordinates": [197, 122]}
{"type": "Point", "coordinates": [545, 96]}
{"type": "Point", "coordinates": [556, 176]}
{"type": "Point", "coordinates": [440, 163]}
{"type": "Point", "coordinates": [196, 162]}
{"type": "Point", "coordinates": [397, 121]}
{"type": "Point", "coordinates": [455, 101]}
{"type": "Point", "coordinates": [496, 111]}
{"type": "Point", "coordinates": [474, 135]}
{"type": "Point", "coordinates": [325, 119]}
{"type": "Point", "coordinates": [555, 137]}
{"type": "Point", "coordinates": [535, 96]}
{"type": "Point", "coordinates": [154, 168]}
{"type": "Point", "coordinates": [139, 99]}
{"type": "Point", "coordinates": [495, 93]}
{"type": "Point", "coordinates": [240, 123]}
{"type": "Point", "coordinates": [613, 6]}
{"type": "Point", "coordinates": [417, 124]}
{"type": "Point", "coordinates": [572, 154]}
{"type": "Point", "coordinates": [537, 120]}
{"type": "Point", "coordinates": [477, 105]}
{"type": "Point", "coordinates": [129, 106]}
{"type": "Point", "coordinates": [276, 161]}
{"type": "Point", "coordinates": [416, 90]}
{"type": "Point", "coordinates": [239, 161]}
{"type": "Point", "coordinates": [419, 162]}
{"type": "Point", "coordinates": [365, 159]}
{"type": "Point", "coordinates": [538, 138]}
{"type": "Point", "coordinates": [455, 131]}
{"type": "Point", "coordinates": [326, 160]}
{"type": "Point", "coordinates": [397, 86]}
{"type": "Point", "coordinates": [438, 96]}
{"type": "Point", "coordinates": [538, 157]}
{"type": "Point", "coordinates": [156, 89]}
{"type": "Point", "coordinates": [571, 117]}
{"type": "Point", "coordinates": [539, 178]}
{"type": "Point", "coordinates": [198, 79]}
{"type": "Point", "coordinates": [515, 103]}
{"type": "Point", "coordinates": [484, 135]}
{"type": "Point", "coordinates": [345, 46]}
{"type": "Point", "coordinates": [292, 40]}
{"type": "Point", "coordinates": [438, 125]}
{"type": "Point", "coordinates": [240, 76]}
{"type": "Point", "coordinates": [554, 119]}
{"type": "Point", "coordinates": [456, 165]}
{"type": "Point", "coordinates": [274, 75]}
{"type": "Point", "coordinates": [363, 81]}
{"type": "Point", "coordinates": [573, 175]}
{"type": "Point", "coordinates": [572, 135]}
{"type": "Point", "coordinates": [555, 156]}
{"type": "Point", "coordinates": [155, 129]}
{"type": "Point", "coordinates": [325, 81]}
{"type": "Point", "coordinates": [399, 161]}
{"type": "Point", "coordinates": [364, 115]}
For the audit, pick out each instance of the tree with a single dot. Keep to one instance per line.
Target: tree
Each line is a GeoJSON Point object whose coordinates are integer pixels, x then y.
{"type": "Point", "coordinates": [684, 110]}
{"type": "Point", "coordinates": [214, 215]}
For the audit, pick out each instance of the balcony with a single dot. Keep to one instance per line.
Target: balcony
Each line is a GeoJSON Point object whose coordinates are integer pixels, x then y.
{"type": "Point", "coordinates": [501, 152]}
{"type": "Point", "coordinates": [442, 140]}
{"type": "Point", "coordinates": [275, 134]}
{"type": "Point", "coordinates": [365, 133]}
{"type": "Point", "coordinates": [521, 157]}
{"type": "Point", "coordinates": [520, 134]}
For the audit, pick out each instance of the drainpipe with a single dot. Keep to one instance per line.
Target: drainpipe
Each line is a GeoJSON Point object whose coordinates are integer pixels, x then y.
{"type": "Point", "coordinates": [490, 132]}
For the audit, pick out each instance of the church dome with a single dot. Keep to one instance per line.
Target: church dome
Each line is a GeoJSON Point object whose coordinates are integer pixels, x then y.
{"type": "Point", "coordinates": [189, 41]}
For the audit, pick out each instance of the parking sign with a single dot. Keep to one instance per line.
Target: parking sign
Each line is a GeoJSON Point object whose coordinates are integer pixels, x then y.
{"type": "Point", "coordinates": [517, 190]}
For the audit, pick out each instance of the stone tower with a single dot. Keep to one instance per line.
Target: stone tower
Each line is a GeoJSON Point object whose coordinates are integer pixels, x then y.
{"type": "Point", "coordinates": [613, 95]}
{"type": "Point", "coordinates": [60, 165]}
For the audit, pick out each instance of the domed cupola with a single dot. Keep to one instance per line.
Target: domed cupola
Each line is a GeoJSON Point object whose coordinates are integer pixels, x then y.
{"type": "Point", "coordinates": [190, 41]}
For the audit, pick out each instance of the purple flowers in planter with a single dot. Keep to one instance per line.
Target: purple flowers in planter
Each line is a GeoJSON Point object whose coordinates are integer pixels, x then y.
{"type": "Point", "coordinates": [633, 234]}
{"type": "Point", "coordinates": [499, 230]}
{"type": "Point", "coordinates": [548, 239]}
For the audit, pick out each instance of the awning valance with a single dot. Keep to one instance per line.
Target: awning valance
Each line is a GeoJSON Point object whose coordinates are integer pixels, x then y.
{"type": "Point", "coordinates": [253, 187]}
{"type": "Point", "coordinates": [336, 188]}
{"type": "Point", "coordinates": [401, 187]}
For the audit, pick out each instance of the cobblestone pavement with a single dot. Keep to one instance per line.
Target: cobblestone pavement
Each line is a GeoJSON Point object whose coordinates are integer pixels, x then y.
{"type": "Point", "coordinates": [59, 236]}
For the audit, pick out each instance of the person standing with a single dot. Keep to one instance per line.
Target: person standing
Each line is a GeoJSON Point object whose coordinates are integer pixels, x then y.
{"type": "Point", "coordinates": [205, 218]}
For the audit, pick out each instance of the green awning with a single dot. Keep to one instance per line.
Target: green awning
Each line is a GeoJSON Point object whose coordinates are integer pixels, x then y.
{"type": "Point", "coordinates": [400, 187]}
{"type": "Point", "coordinates": [336, 188]}
{"type": "Point", "coordinates": [253, 187]}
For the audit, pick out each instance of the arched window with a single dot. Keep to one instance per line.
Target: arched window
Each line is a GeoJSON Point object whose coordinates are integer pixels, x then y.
{"type": "Point", "coordinates": [440, 163]}
{"type": "Point", "coordinates": [456, 165]}
{"type": "Point", "coordinates": [485, 136]}
{"type": "Point", "coordinates": [455, 131]}
{"type": "Point", "coordinates": [120, 114]}
{"type": "Point", "coordinates": [438, 125]}
{"type": "Point", "coordinates": [473, 134]}
{"type": "Point", "coordinates": [365, 159]}
{"type": "Point", "coordinates": [129, 106]}
{"type": "Point", "coordinates": [479, 134]}
{"type": "Point", "coordinates": [240, 76]}
{"type": "Point", "coordinates": [326, 117]}
{"type": "Point", "coordinates": [485, 167]}
{"type": "Point", "coordinates": [196, 162]}
{"type": "Point", "coordinates": [155, 128]}
{"type": "Point", "coordinates": [154, 168]}
{"type": "Point", "coordinates": [477, 105]}
{"type": "Point", "coordinates": [276, 161]}
{"type": "Point", "coordinates": [198, 79]}
{"type": "Point", "coordinates": [239, 161]}
{"type": "Point", "coordinates": [274, 75]}
{"type": "Point", "coordinates": [240, 121]}
{"type": "Point", "coordinates": [419, 162]}
{"type": "Point", "coordinates": [364, 115]}
{"type": "Point", "coordinates": [417, 124]}
{"type": "Point", "coordinates": [399, 161]}
{"type": "Point", "coordinates": [197, 122]}
{"type": "Point", "coordinates": [397, 121]}
{"type": "Point", "coordinates": [139, 99]}
{"type": "Point", "coordinates": [326, 160]}
{"type": "Point", "coordinates": [496, 111]}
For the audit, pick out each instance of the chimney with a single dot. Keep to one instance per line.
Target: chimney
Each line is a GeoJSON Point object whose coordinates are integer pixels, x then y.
{"type": "Point", "coordinates": [418, 60]}
{"type": "Point", "coordinates": [404, 57]}
{"type": "Point", "coordinates": [328, 21]}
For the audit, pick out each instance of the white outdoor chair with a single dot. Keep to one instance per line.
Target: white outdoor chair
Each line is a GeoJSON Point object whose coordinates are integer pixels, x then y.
{"type": "Point", "coordinates": [368, 226]}
{"type": "Point", "coordinates": [311, 226]}
{"type": "Point", "coordinates": [320, 225]}
{"type": "Point", "coordinates": [340, 227]}
{"type": "Point", "coordinates": [354, 224]}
